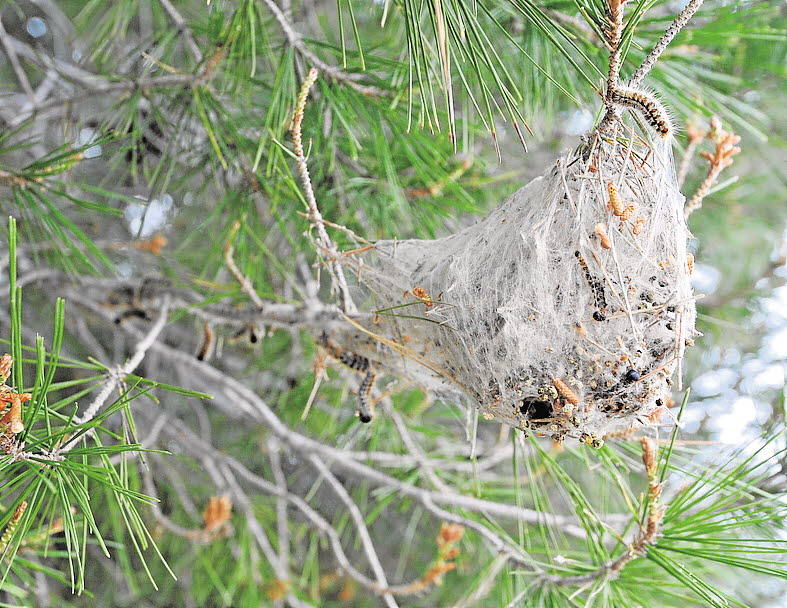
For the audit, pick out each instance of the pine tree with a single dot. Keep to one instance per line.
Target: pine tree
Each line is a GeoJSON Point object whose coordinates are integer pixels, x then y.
{"type": "Point", "coordinates": [191, 189]}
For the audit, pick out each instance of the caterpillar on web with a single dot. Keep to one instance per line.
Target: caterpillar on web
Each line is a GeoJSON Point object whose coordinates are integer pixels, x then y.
{"type": "Point", "coordinates": [596, 287]}
{"type": "Point", "coordinates": [650, 108]}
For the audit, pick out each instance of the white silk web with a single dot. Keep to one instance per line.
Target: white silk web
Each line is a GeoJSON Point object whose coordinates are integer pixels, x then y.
{"type": "Point", "coordinates": [561, 311]}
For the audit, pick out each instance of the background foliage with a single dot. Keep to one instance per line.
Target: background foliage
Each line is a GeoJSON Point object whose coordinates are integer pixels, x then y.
{"type": "Point", "coordinates": [140, 137]}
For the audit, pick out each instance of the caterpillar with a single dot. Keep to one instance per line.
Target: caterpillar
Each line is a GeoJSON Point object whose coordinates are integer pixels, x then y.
{"type": "Point", "coordinates": [208, 339]}
{"type": "Point", "coordinates": [357, 363]}
{"type": "Point", "coordinates": [348, 358]}
{"type": "Point", "coordinates": [354, 361]}
{"type": "Point", "coordinates": [249, 331]}
{"type": "Point", "coordinates": [648, 106]}
{"type": "Point", "coordinates": [136, 313]}
{"type": "Point", "coordinates": [627, 213]}
{"type": "Point", "coordinates": [365, 408]}
{"type": "Point", "coordinates": [596, 286]}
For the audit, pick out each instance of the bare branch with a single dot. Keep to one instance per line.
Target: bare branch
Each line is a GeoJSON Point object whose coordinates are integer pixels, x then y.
{"type": "Point", "coordinates": [244, 281]}
{"type": "Point", "coordinates": [413, 447]}
{"type": "Point", "coordinates": [282, 527]}
{"type": "Point", "coordinates": [360, 526]}
{"type": "Point", "coordinates": [117, 375]}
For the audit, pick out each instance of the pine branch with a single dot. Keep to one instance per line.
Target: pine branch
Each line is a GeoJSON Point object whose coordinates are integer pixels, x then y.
{"type": "Point", "coordinates": [328, 249]}
{"type": "Point", "coordinates": [332, 72]}
{"type": "Point", "coordinates": [673, 30]}
{"type": "Point", "coordinates": [183, 29]}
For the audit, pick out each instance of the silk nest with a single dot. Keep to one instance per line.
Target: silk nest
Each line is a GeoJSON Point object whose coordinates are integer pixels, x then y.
{"type": "Point", "coordinates": [565, 311]}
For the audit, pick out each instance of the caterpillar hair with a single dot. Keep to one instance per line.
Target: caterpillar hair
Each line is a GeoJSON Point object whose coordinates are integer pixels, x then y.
{"type": "Point", "coordinates": [365, 408]}
{"type": "Point", "coordinates": [650, 108]}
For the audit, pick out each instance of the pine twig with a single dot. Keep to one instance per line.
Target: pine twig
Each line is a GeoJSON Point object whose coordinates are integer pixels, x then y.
{"type": "Point", "coordinates": [323, 240]}
{"type": "Point", "coordinates": [413, 447]}
{"type": "Point", "coordinates": [114, 378]}
{"type": "Point", "coordinates": [282, 521]}
{"type": "Point", "coordinates": [615, 96]}
{"type": "Point", "coordinates": [614, 32]}
{"type": "Point", "coordinates": [183, 29]}
{"type": "Point", "coordinates": [648, 532]}
{"type": "Point", "coordinates": [447, 551]}
{"type": "Point", "coordinates": [721, 158]}
{"type": "Point", "coordinates": [673, 30]}
{"type": "Point", "coordinates": [356, 237]}
{"type": "Point", "coordinates": [333, 72]}
{"type": "Point", "coordinates": [229, 260]}
{"type": "Point", "coordinates": [360, 526]}
{"type": "Point", "coordinates": [10, 528]}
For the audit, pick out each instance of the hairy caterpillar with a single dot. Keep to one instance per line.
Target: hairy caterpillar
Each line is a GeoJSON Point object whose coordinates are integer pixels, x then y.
{"type": "Point", "coordinates": [348, 358]}
{"type": "Point", "coordinates": [358, 363]}
{"type": "Point", "coordinates": [208, 340]}
{"type": "Point", "coordinates": [648, 106]}
{"type": "Point", "coordinates": [365, 410]}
